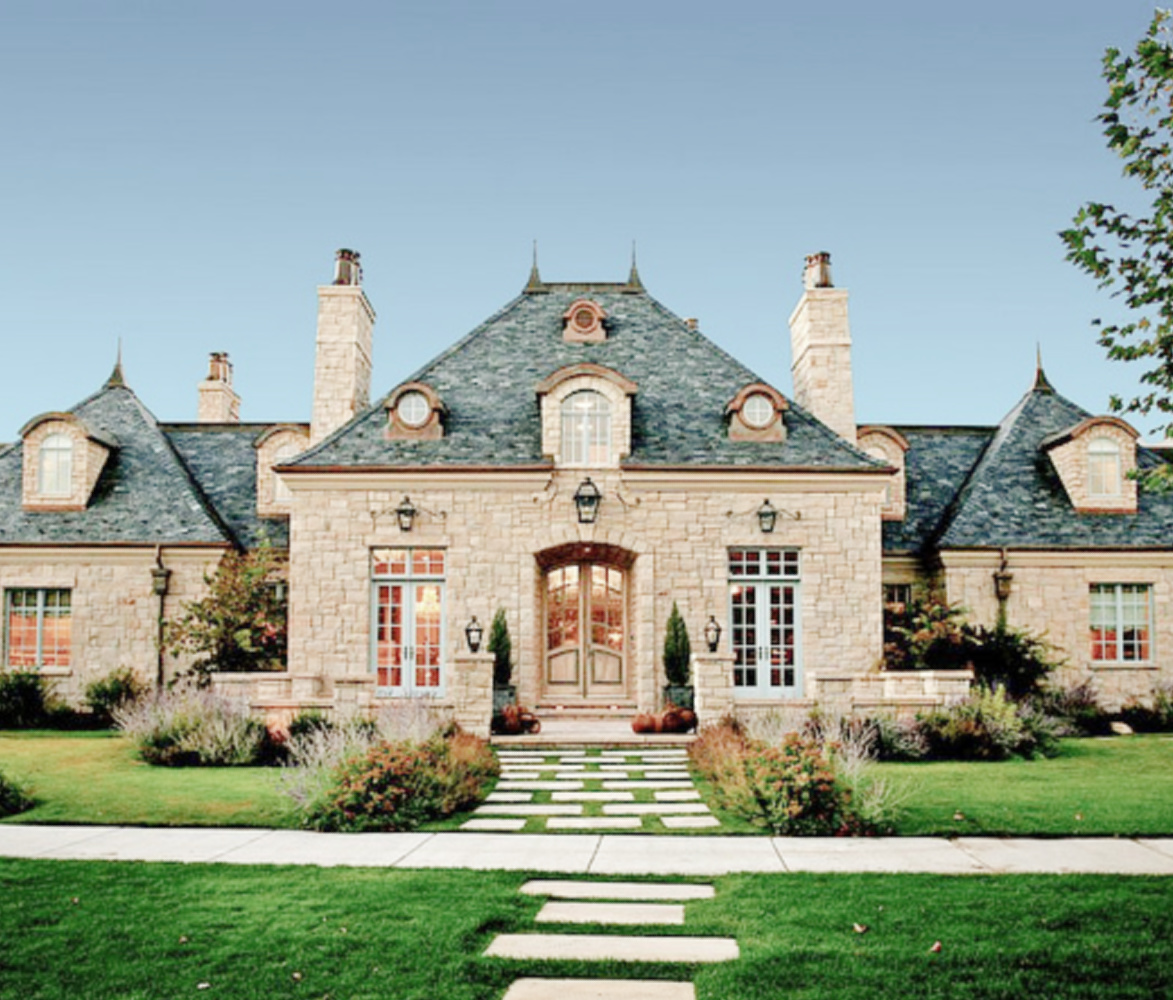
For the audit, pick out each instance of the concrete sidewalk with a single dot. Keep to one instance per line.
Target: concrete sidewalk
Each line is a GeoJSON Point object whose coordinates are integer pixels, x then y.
{"type": "Point", "coordinates": [593, 854]}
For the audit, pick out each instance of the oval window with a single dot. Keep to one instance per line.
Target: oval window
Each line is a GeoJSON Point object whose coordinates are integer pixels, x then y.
{"type": "Point", "coordinates": [413, 408]}
{"type": "Point", "coordinates": [758, 410]}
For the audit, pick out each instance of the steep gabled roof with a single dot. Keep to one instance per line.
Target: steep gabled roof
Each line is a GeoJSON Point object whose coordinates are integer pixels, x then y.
{"type": "Point", "coordinates": [488, 382]}
{"type": "Point", "coordinates": [145, 494]}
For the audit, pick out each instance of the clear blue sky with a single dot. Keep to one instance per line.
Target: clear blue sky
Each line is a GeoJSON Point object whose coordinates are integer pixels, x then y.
{"type": "Point", "coordinates": [179, 175]}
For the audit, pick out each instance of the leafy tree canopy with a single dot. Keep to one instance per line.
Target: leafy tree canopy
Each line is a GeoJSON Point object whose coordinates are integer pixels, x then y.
{"type": "Point", "coordinates": [1133, 254]}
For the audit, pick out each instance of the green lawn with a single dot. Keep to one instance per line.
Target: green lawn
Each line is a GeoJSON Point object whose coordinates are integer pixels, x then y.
{"type": "Point", "coordinates": [108, 930]}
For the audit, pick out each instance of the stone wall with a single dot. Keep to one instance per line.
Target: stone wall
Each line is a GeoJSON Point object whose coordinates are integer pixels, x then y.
{"type": "Point", "coordinates": [342, 363]}
{"type": "Point", "coordinates": [114, 611]}
{"type": "Point", "coordinates": [1050, 593]}
{"type": "Point", "coordinates": [820, 348]}
{"type": "Point", "coordinates": [677, 527]}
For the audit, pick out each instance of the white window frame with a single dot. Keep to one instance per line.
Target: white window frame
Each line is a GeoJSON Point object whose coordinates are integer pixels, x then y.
{"type": "Point", "coordinates": [1109, 604]}
{"type": "Point", "coordinates": [586, 431]}
{"type": "Point", "coordinates": [1104, 471]}
{"type": "Point", "coordinates": [409, 579]}
{"type": "Point", "coordinates": [762, 570]}
{"type": "Point", "coordinates": [42, 612]}
{"type": "Point", "coordinates": [55, 465]}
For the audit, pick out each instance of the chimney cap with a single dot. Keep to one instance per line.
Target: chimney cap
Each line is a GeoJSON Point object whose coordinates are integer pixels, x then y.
{"type": "Point", "coordinates": [347, 267]}
{"type": "Point", "coordinates": [817, 272]}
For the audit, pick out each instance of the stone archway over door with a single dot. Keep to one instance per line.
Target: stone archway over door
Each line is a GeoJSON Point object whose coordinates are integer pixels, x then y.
{"type": "Point", "coordinates": [585, 598]}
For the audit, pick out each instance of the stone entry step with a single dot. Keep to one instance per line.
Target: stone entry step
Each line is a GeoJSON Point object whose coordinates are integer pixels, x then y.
{"type": "Point", "coordinates": [599, 989]}
{"type": "Point", "coordinates": [563, 912]}
{"type": "Point", "coordinates": [611, 947]}
{"type": "Point", "coordinates": [574, 889]}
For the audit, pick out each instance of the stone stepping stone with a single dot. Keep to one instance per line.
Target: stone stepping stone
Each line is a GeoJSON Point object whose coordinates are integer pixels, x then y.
{"type": "Point", "coordinates": [689, 822]}
{"type": "Point", "coordinates": [508, 774]}
{"type": "Point", "coordinates": [510, 797]}
{"type": "Point", "coordinates": [612, 947]}
{"type": "Point", "coordinates": [494, 825]}
{"type": "Point", "coordinates": [528, 809]}
{"type": "Point", "coordinates": [599, 989]}
{"type": "Point", "coordinates": [674, 775]}
{"type": "Point", "coordinates": [539, 786]}
{"type": "Point", "coordinates": [581, 758]}
{"type": "Point", "coordinates": [560, 912]}
{"type": "Point", "coordinates": [653, 808]}
{"type": "Point", "coordinates": [517, 755]}
{"type": "Point", "coordinates": [575, 889]}
{"type": "Point", "coordinates": [593, 823]}
{"type": "Point", "coordinates": [691, 796]}
{"type": "Point", "coordinates": [621, 786]}
{"type": "Point", "coordinates": [592, 796]}
{"type": "Point", "coordinates": [663, 755]}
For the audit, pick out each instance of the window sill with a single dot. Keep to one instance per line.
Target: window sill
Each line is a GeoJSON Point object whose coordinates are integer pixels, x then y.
{"type": "Point", "coordinates": [1123, 665]}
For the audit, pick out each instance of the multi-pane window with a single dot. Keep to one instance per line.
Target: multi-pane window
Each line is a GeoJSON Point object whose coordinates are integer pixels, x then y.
{"type": "Point", "coordinates": [586, 429]}
{"type": "Point", "coordinates": [1121, 622]}
{"type": "Point", "coordinates": [1103, 468]}
{"type": "Point", "coordinates": [764, 622]}
{"type": "Point", "coordinates": [38, 628]}
{"type": "Point", "coordinates": [408, 639]}
{"type": "Point", "coordinates": [55, 467]}
{"type": "Point", "coordinates": [897, 596]}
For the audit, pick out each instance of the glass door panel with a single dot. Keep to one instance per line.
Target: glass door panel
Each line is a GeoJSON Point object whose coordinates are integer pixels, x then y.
{"type": "Point", "coordinates": [562, 631]}
{"type": "Point", "coordinates": [585, 628]}
{"type": "Point", "coordinates": [409, 629]}
{"type": "Point", "coordinates": [765, 640]}
{"type": "Point", "coordinates": [427, 621]}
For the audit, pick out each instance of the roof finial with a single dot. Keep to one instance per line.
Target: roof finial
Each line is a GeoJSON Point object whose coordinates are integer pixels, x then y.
{"type": "Point", "coordinates": [116, 377]}
{"type": "Point", "coordinates": [1041, 383]}
{"type": "Point", "coordinates": [633, 278]}
{"type": "Point", "coordinates": [535, 279]}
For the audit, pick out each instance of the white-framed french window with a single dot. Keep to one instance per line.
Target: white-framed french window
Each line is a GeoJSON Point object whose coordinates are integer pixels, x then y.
{"type": "Point", "coordinates": [55, 466]}
{"type": "Point", "coordinates": [586, 429]}
{"type": "Point", "coordinates": [765, 619]}
{"type": "Point", "coordinates": [1121, 622]}
{"type": "Point", "coordinates": [409, 621]}
{"type": "Point", "coordinates": [38, 628]}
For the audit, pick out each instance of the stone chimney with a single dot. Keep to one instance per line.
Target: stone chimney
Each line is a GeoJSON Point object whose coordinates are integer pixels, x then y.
{"type": "Point", "coordinates": [219, 403]}
{"type": "Point", "coordinates": [342, 365]}
{"type": "Point", "coordinates": [820, 347]}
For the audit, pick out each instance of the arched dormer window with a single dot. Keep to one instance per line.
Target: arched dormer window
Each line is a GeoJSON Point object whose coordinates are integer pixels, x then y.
{"type": "Point", "coordinates": [55, 468]}
{"type": "Point", "coordinates": [281, 454]}
{"type": "Point", "coordinates": [1103, 467]}
{"type": "Point", "coordinates": [586, 429]}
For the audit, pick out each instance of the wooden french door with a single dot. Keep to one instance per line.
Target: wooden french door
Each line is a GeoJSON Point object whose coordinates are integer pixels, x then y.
{"type": "Point", "coordinates": [586, 630]}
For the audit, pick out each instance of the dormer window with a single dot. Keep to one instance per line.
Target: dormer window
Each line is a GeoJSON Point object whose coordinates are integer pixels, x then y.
{"type": "Point", "coordinates": [586, 429]}
{"type": "Point", "coordinates": [55, 468]}
{"type": "Point", "coordinates": [415, 412]}
{"type": "Point", "coordinates": [413, 409]}
{"type": "Point", "coordinates": [582, 323]}
{"type": "Point", "coordinates": [890, 447]}
{"type": "Point", "coordinates": [758, 410]}
{"type": "Point", "coordinates": [275, 446]}
{"type": "Point", "coordinates": [1103, 467]}
{"type": "Point", "coordinates": [755, 414]}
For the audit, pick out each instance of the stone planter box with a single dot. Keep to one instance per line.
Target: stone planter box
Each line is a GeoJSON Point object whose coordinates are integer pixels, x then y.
{"type": "Point", "coordinates": [681, 695]}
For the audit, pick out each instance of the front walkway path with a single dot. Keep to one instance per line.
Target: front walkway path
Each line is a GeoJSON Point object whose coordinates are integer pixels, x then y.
{"type": "Point", "coordinates": [594, 854]}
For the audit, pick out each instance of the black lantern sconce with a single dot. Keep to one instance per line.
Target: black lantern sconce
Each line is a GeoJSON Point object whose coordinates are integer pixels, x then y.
{"type": "Point", "coordinates": [712, 634]}
{"type": "Point", "coordinates": [586, 501]}
{"type": "Point", "coordinates": [474, 632]}
{"type": "Point", "coordinates": [1003, 583]}
{"type": "Point", "coordinates": [406, 513]}
{"type": "Point", "coordinates": [767, 517]}
{"type": "Point", "coordinates": [160, 578]}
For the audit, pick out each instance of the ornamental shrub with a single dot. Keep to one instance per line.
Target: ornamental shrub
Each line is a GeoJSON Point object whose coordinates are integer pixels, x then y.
{"type": "Point", "coordinates": [121, 687]}
{"type": "Point", "coordinates": [502, 649]}
{"type": "Point", "coordinates": [190, 727]}
{"type": "Point", "coordinates": [988, 725]}
{"type": "Point", "coordinates": [13, 798]}
{"type": "Point", "coordinates": [25, 701]}
{"type": "Point", "coordinates": [1015, 659]}
{"type": "Point", "coordinates": [1153, 714]}
{"type": "Point", "coordinates": [1075, 709]}
{"type": "Point", "coordinates": [677, 649]}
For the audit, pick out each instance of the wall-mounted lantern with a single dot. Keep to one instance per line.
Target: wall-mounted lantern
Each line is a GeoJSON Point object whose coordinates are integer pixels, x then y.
{"type": "Point", "coordinates": [586, 501]}
{"type": "Point", "coordinates": [160, 577]}
{"type": "Point", "coordinates": [406, 513]}
{"type": "Point", "coordinates": [712, 634]}
{"type": "Point", "coordinates": [474, 632]}
{"type": "Point", "coordinates": [1003, 584]}
{"type": "Point", "coordinates": [767, 517]}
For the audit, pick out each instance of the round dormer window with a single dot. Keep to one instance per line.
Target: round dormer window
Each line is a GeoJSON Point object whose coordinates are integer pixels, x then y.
{"type": "Point", "coordinates": [758, 410]}
{"type": "Point", "coordinates": [584, 318]}
{"type": "Point", "coordinates": [413, 409]}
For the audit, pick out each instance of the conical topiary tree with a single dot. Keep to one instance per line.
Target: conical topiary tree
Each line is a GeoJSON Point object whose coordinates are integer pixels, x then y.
{"type": "Point", "coordinates": [677, 649]}
{"type": "Point", "coordinates": [502, 649]}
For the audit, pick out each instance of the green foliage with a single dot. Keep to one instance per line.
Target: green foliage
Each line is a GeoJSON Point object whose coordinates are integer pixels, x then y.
{"type": "Point", "coordinates": [13, 798]}
{"type": "Point", "coordinates": [501, 647]}
{"type": "Point", "coordinates": [1075, 708]}
{"type": "Point", "coordinates": [897, 739]}
{"type": "Point", "coordinates": [1016, 660]}
{"type": "Point", "coordinates": [1153, 714]}
{"type": "Point", "coordinates": [677, 649]}
{"type": "Point", "coordinates": [988, 725]}
{"type": "Point", "coordinates": [1133, 254]}
{"type": "Point", "coordinates": [119, 688]}
{"type": "Point", "coordinates": [239, 625]}
{"type": "Point", "coordinates": [398, 785]}
{"type": "Point", "coordinates": [25, 701]}
{"type": "Point", "coordinates": [189, 727]}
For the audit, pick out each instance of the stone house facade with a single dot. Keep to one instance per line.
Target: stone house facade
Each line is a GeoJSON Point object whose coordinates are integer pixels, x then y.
{"type": "Point", "coordinates": [583, 460]}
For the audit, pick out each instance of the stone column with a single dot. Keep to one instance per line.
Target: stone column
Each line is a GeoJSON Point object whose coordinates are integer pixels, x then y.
{"type": "Point", "coordinates": [472, 691]}
{"type": "Point", "coordinates": [713, 673]}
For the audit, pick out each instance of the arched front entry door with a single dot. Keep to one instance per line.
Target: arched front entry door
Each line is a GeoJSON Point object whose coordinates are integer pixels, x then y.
{"type": "Point", "coordinates": [585, 604]}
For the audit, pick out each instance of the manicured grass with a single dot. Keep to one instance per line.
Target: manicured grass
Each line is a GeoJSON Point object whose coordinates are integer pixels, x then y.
{"type": "Point", "coordinates": [96, 778]}
{"type": "Point", "coordinates": [1116, 786]}
{"type": "Point", "coordinates": [104, 930]}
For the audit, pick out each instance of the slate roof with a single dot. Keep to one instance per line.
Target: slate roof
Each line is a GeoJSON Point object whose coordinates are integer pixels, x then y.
{"type": "Point", "coordinates": [145, 493]}
{"type": "Point", "coordinates": [487, 383]}
{"type": "Point", "coordinates": [996, 488]}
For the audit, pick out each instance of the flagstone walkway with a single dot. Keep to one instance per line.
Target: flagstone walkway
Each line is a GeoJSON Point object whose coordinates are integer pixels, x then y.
{"type": "Point", "coordinates": [633, 789]}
